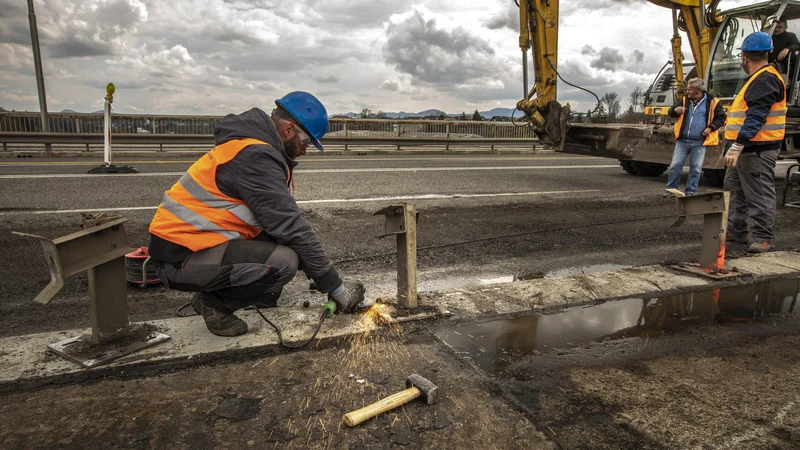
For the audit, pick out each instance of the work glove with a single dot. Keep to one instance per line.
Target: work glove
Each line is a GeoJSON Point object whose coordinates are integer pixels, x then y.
{"type": "Point", "coordinates": [349, 294]}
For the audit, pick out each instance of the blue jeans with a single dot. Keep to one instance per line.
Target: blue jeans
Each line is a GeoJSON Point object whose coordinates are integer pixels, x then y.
{"type": "Point", "coordinates": [684, 148]}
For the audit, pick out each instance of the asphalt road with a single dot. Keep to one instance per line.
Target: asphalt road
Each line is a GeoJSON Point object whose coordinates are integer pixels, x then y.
{"type": "Point", "coordinates": [460, 198]}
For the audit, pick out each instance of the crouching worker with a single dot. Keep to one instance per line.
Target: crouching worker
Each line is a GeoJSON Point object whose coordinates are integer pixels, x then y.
{"type": "Point", "coordinates": [230, 229]}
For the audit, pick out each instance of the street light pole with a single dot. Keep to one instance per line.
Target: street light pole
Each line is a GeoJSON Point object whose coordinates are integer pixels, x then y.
{"type": "Point", "coordinates": [37, 63]}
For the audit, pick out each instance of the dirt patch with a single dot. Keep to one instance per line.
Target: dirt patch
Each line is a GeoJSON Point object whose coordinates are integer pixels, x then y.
{"type": "Point", "coordinates": [712, 387]}
{"type": "Point", "coordinates": [292, 400]}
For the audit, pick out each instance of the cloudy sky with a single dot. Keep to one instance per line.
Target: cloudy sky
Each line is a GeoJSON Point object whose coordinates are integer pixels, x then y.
{"type": "Point", "coordinates": [221, 56]}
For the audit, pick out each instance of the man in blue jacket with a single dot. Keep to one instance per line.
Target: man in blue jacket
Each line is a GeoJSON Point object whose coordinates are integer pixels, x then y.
{"type": "Point", "coordinates": [230, 229]}
{"type": "Point", "coordinates": [699, 116]}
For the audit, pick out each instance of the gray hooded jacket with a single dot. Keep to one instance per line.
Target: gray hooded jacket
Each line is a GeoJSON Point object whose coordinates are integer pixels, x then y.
{"type": "Point", "coordinates": [257, 176]}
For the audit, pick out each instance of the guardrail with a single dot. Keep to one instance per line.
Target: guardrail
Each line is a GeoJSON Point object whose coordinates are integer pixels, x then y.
{"type": "Point", "coordinates": [181, 142]}
{"type": "Point", "coordinates": [167, 132]}
{"type": "Point", "coordinates": [78, 123]}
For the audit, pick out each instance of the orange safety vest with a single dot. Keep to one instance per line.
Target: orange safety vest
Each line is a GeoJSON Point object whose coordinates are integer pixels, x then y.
{"type": "Point", "coordinates": [773, 129]}
{"type": "Point", "coordinates": [713, 138]}
{"type": "Point", "coordinates": [196, 214]}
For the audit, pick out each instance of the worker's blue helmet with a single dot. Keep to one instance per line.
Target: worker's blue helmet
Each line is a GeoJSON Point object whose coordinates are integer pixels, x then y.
{"type": "Point", "coordinates": [309, 112]}
{"type": "Point", "coordinates": [757, 42]}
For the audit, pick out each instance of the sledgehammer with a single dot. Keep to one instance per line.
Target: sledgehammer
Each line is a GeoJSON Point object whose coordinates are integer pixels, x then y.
{"type": "Point", "coordinates": [417, 387]}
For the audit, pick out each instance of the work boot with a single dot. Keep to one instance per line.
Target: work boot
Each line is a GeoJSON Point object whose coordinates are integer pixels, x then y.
{"type": "Point", "coordinates": [667, 194]}
{"type": "Point", "coordinates": [219, 320]}
{"type": "Point", "coordinates": [759, 247]}
{"type": "Point", "coordinates": [738, 238]}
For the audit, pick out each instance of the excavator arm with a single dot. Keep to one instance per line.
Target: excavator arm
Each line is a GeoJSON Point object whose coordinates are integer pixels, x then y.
{"type": "Point", "coordinates": [538, 20]}
{"type": "Point", "coordinates": [539, 32]}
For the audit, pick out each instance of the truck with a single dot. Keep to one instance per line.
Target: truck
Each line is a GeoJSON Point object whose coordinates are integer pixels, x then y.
{"type": "Point", "coordinates": [663, 93]}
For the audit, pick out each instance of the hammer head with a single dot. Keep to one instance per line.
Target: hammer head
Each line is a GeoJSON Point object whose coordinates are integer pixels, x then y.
{"type": "Point", "coordinates": [429, 392]}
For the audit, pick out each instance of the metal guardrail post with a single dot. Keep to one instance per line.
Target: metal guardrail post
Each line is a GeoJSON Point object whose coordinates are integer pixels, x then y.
{"type": "Point", "coordinates": [447, 132]}
{"type": "Point", "coordinates": [713, 206]}
{"type": "Point", "coordinates": [100, 249]}
{"type": "Point", "coordinates": [346, 130]}
{"type": "Point", "coordinates": [401, 220]}
{"type": "Point", "coordinates": [398, 125]}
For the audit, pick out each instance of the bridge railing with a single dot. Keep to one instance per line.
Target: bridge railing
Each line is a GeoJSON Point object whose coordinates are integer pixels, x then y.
{"type": "Point", "coordinates": [79, 123]}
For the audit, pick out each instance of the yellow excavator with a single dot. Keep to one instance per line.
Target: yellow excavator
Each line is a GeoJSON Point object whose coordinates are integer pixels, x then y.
{"type": "Point", "coordinates": [714, 37]}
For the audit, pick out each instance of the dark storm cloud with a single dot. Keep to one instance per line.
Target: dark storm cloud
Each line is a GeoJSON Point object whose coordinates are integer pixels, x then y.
{"type": "Point", "coordinates": [76, 47]}
{"type": "Point", "coordinates": [434, 55]}
{"type": "Point", "coordinates": [508, 19]}
{"type": "Point", "coordinates": [608, 59]}
{"type": "Point", "coordinates": [73, 28]}
{"type": "Point", "coordinates": [14, 27]}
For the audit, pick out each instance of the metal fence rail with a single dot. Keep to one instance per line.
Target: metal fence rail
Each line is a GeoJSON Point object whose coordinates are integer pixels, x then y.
{"type": "Point", "coordinates": [77, 123]}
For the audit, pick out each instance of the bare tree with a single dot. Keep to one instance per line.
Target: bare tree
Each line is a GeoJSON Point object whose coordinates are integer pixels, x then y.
{"type": "Point", "coordinates": [611, 101]}
{"type": "Point", "coordinates": [636, 100]}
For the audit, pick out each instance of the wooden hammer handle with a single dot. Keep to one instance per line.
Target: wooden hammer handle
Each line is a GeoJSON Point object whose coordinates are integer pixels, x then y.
{"type": "Point", "coordinates": [393, 401]}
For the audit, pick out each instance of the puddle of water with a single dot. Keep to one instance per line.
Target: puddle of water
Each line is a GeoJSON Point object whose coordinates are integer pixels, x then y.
{"type": "Point", "coordinates": [570, 271]}
{"type": "Point", "coordinates": [493, 343]}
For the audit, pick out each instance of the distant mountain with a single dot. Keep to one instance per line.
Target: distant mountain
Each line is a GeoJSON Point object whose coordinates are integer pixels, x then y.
{"type": "Point", "coordinates": [430, 112]}
{"type": "Point", "coordinates": [68, 111]}
{"type": "Point", "coordinates": [503, 112]}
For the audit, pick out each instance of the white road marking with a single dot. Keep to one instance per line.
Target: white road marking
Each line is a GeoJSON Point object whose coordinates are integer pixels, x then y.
{"type": "Point", "coordinates": [301, 171]}
{"type": "Point", "coordinates": [333, 200]}
{"type": "Point", "coordinates": [761, 430]}
{"type": "Point", "coordinates": [362, 170]}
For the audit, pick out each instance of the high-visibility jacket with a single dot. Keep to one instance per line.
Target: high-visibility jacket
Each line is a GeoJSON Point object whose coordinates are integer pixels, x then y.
{"type": "Point", "coordinates": [196, 214]}
{"type": "Point", "coordinates": [773, 129]}
{"type": "Point", "coordinates": [713, 138]}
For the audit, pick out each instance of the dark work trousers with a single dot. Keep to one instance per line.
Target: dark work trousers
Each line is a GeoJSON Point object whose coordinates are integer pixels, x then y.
{"type": "Point", "coordinates": [234, 275]}
{"type": "Point", "coordinates": [752, 187]}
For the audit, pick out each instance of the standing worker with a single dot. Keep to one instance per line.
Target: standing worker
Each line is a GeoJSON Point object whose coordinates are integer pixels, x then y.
{"type": "Point", "coordinates": [699, 118]}
{"type": "Point", "coordinates": [230, 229]}
{"type": "Point", "coordinates": [755, 131]}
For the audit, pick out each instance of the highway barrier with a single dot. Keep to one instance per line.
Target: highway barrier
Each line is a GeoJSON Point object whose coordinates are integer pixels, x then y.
{"type": "Point", "coordinates": [21, 131]}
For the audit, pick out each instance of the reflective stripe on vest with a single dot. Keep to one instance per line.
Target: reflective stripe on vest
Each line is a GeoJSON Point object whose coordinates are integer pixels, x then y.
{"type": "Point", "coordinates": [713, 138]}
{"type": "Point", "coordinates": [774, 127]}
{"type": "Point", "coordinates": [196, 214]}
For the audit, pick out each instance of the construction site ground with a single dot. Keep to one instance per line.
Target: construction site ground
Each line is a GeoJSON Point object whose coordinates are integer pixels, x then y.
{"type": "Point", "coordinates": [695, 384]}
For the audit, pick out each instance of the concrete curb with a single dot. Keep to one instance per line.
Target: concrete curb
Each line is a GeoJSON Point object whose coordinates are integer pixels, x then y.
{"type": "Point", "coordinates": [27, 364]}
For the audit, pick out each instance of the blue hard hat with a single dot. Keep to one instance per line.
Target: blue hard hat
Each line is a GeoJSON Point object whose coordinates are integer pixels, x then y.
{"type": "Point", "coordinates": [757, 42]}
{"type": "Point", "coordinates": [309, 112]}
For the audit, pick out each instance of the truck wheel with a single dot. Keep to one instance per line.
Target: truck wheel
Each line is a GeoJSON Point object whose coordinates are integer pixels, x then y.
{"type": "Point", "coordinates": [627, 166]}
{"type": "Point", "coordinates": [647, 169]}
{"type": "Point", "coordinates": [714, 177]}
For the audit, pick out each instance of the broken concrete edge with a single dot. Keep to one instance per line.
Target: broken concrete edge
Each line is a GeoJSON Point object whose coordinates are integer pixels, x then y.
{"type": "Point", "coordinates": [28, 365]}
{"type": "Point", "coordinates": [548, 294]}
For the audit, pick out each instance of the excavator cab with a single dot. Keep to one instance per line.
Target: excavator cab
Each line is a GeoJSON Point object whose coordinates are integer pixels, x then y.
{"type": "Point", "coordinates": [725, 74]}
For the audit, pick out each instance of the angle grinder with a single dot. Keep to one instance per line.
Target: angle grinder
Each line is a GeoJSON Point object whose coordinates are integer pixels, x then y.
{"type": "Point", "coordinates": [365, 303]}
